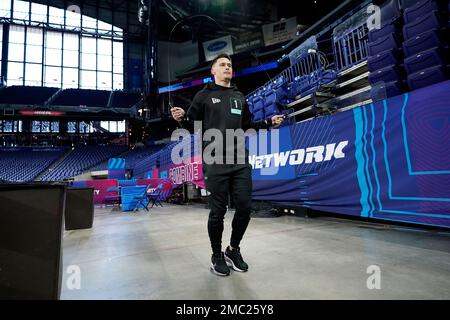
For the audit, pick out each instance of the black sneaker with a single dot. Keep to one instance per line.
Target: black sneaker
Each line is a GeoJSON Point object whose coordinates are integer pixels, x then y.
{"type": "Point", "coordinates": [234, 260]}
{"type": "Point", "coordinates": [218, 265]}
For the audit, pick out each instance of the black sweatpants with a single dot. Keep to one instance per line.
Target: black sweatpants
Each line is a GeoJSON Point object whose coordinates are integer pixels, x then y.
{"type": "Point", "coordinates": [221, 180]}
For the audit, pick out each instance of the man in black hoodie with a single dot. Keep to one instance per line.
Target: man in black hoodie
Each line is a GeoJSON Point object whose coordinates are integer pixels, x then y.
{"type": "Point", "coordinates": [222, 107]}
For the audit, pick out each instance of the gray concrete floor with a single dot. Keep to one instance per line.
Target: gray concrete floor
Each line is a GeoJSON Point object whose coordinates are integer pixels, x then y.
{"type": "Point", "coordinates": [166, 255]}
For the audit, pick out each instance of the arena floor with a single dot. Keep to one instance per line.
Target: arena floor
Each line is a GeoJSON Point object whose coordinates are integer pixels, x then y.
{"type": "Point", "coordinates": [165, 254]}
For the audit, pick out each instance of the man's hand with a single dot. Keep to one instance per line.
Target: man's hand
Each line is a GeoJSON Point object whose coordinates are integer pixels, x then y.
{"type": "Point", "coordinates": [277, 120]}
{"type": "Point", "coordinates": [177, 113]}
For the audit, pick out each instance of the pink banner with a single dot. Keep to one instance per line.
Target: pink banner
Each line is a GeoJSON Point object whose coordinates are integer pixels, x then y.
{"type": "Point", "coordinates": [100, 189]}
{"type": "Point", "coordinates": [187, 172]}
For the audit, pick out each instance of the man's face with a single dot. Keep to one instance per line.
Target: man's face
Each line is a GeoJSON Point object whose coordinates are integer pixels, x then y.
{"type": "Point", "coordinates": [222, 70]}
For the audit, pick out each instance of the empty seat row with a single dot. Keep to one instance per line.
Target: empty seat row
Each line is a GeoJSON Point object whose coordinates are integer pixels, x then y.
{"type": "Point", "coordinates": [121, 99]}
{"type": "Point", "coordinates": [426, 43]}
{"type": "Point", "coordinates": [80, 97]}
{"type": "Point", "coordinates": [80, 160]}
{"type": "Point", "coordinates": [26, 95]}
{"type": "Point", "coordinates": [308, 75]}
{"type": "Point", "coordinates": [24, 164]}
{"type": "Point", "coordinates": [409, 51]}
{"type": "Point", "coordinates": [33, 95]}
{"type": "Point", "coordinates": [132, 157]}
{"type": "Point", "coordinates": [385, 53]}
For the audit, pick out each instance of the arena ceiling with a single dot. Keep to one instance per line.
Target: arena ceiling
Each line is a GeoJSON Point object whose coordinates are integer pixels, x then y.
{"type": "Point", "coordinates": [228, 16]}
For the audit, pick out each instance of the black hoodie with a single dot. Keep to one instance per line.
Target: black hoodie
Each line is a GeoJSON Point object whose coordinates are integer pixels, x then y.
{"type": "Point", "coordinates": [221, 108]}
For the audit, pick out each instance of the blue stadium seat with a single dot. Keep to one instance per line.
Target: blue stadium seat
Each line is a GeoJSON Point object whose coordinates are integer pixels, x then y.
{"type": "Point", "coordinates": [382, 44]}
{"type": "Point", "coordinates": [270, 98]}
{"type": "Point", "coordinates": [302, 85]}
{"type": "Point", "coordinates": [258, 115]}
{"type": "Point", "coordinates": [421, 25]}
{"type": "Point", "coordinates": [282, 91]}
{"type": "Point", "coordinates": [425, 59]}
{"type": "Point", "coordinates": [25, 164]}
{"type": "Point", "coordinates": [431, 38]}
{"type": "Point", "coordinates": [271, 104]}
{"type": "Point", "coordinates": [258, 102]}
{"type": "Point", "coordinates": [270, 111]}
{"type": "Point", "coordinates": [258, 108]}
{"type": "Point", "coordinates": [296, 86]}
{"type": "Point", "coordinates": [383, 59]}
{"type": "Point", "coordinates": [404, 4]}
{"type": "Point", "coordinates": [427, 77]}
{"type": "Point", "coordinates": [328, 76]}
{"type": "Point", "coordinates": [250, 104]}
{"type": "Point", "coordinates": [384, 31]}
{"type": "Point", "coordinates": [418, 10]}
{"type": "Point", "coordinates": [390, 11]}
{"type": "Point", "coordinates": [290, 92]}
{"type": "Point", "coordinates": [389, 89]}
{"type": "Point", "coordinates": [387, 74]}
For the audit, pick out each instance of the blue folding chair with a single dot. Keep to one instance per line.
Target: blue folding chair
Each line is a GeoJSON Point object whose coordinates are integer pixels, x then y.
{"type": "Point", "coordinates": [142, 200]}
{"type": "Point", "coordinates": [155, 196]}
{"type": "Point", "coordinates": [165, 194]}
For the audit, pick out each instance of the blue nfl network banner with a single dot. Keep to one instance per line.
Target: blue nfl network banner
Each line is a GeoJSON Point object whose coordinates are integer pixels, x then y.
{"type": "Point", "coordinates": [387, 160]}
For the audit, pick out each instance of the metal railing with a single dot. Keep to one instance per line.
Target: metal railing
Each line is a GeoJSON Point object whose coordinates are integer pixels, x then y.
{"type": "Point", "coordinates": [351, 47]}
{"type": "Point", "coordinates": [308, 70]}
